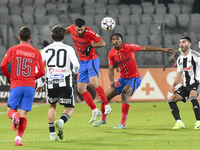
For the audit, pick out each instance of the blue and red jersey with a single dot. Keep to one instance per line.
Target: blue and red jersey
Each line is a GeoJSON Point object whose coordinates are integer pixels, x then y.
{"type": "Point", "coordinates": [81, 42]}
{"type": "Point", "coordinates": [24, 59]}
{"type": "Point", "coordinates": [125, 59]}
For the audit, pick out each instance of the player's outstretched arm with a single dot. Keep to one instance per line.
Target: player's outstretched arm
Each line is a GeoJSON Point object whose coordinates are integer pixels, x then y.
{"type": "Point", "coordinates": [111, 75]}
{"type": "Point", "coordinates": [176, 81]}
{"type": "Point", "coordinates": [67, 31]}
{"type": "Point", "coordinates": [99, 44]}
{"type": "Point", "coordinates": [153, 48]}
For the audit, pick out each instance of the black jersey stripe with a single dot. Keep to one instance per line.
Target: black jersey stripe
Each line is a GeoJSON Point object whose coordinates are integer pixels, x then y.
{"type": "Point", "coordinates": [194, 68]}
{"type": "Point", "coordinates": [186, 72]}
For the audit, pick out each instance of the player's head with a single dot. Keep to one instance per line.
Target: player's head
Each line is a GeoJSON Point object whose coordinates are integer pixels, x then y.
{"type": "Point", "coordinates": [80, 26]}
{"type": "Point", "coordinates": [24, 34]}
{"type": "Point", "coordinates": [116, 40]}
{"type": "Point", "coordinates": [57, 33]}
{"type": "Point", "coordinates": [185, 43]}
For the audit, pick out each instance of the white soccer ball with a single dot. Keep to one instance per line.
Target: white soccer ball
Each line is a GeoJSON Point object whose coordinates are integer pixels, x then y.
{"type": "Point", "coordinates": [108, 23]}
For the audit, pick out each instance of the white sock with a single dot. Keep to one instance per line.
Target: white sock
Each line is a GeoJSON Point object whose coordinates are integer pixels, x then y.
{"type": "Point", "coordinates": [61, 121]}
{"type": "Point", "coordinates": [179, 120]}
{"type": "Point", "coordinates": [18, 138]}
{"type": "Point", "coordinates": [94, 110]}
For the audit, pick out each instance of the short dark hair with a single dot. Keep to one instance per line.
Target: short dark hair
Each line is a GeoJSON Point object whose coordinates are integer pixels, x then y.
{"type": "Point", "coordinates": [79, 22]}
{"type": "Point", "coordinates": [58, 33]}
{"type": "Point", "coordinates": [187, 38]}
{"type": "Point", "coordinates": [116, 34]}
{"type": "Point", "coordinates": [24, 33]}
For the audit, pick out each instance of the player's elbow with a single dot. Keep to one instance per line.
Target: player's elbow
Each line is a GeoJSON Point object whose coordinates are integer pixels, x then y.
{"type": "Point", "coordinates": [104, 44]}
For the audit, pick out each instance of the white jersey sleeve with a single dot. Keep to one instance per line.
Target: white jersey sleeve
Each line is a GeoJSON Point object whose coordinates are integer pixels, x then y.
{"type": "Point", "coordinates": [74, 61]}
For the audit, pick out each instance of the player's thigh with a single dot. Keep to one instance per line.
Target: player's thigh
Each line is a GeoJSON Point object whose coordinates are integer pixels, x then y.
{"type": "Point", "coordinates": [82, 75]}
{"type": "Point", "coordinates": [93, 67]}
{"type": "Point", "coordinates": [94, 81]}
{"type": "Point", "coordinates": [15, 96]}
{"type": "Point", "coordinates": [67, 97]}
{"type": "Point", "coordinates": [134, 83]}
{"type": "Point", "coordinates": [110, 93]}
{"type": "Point", "coordinates": [181, 94]}
{"type": "Point", "coordinates": [27, 99]}
{"type": "Point", "coordinates": [82, 87]}
{"type": "Point", "coordinates": [127, 91]}
{"type": "Point", "coordinates": [53, 95]}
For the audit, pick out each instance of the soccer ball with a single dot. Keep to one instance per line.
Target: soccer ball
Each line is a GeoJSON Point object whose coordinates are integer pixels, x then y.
{"type": "Point", "coordinates": [108, 23]}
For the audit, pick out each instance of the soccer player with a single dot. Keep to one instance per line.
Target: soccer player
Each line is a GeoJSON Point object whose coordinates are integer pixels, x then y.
{"type": "Point", "coordinates": [84, 38]}
{"type": "Point", "coordinates": [25, 58]}
{"type": "Point", "coordinates": [57, 57]}
{"type": "Point", "coordinates": [188, 66]}
{"type": "Point", "coordinates": [129, 81]}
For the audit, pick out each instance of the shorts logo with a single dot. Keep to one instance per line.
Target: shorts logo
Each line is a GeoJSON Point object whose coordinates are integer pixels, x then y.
{"type": "Point", "coordinates": [117, 84]}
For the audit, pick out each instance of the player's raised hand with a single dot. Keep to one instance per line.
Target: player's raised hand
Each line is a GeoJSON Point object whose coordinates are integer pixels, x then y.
{"type": "Point", "coordinates": [39, 89]}
{"type": "Point", "coordinates": [168, 50]}
{"type": "Point", "coordinates": [87, 50]}
{"type": "Point", "coordinates": [172, 89]}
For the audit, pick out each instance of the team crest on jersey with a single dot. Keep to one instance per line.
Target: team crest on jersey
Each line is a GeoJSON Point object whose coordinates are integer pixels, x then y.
{"type": "Point", "coordinates": [97, 35]}
{"type": "Point", "coordinates": [51, 70]}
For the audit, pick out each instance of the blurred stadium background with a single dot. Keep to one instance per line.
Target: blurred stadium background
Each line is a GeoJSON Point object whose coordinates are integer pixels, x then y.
{"type": "Point", "coordinates": [145, 22]}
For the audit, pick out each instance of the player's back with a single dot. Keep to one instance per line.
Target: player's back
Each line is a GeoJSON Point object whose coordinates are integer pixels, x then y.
{"type": "Point", "coordinates": [58, 57]}
{"type": "Point", "coordinates": [24, 59]}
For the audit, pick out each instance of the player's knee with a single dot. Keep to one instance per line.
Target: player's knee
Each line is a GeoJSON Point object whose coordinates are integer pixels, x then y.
{"type": "Point", "coordinates": [193, 98]}
{"type": "Point", "coordinates": [171, 101]}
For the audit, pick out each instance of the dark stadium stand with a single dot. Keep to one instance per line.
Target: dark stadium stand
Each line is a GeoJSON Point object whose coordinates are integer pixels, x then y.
{"type": "Point", "coordinates": [146, 24]}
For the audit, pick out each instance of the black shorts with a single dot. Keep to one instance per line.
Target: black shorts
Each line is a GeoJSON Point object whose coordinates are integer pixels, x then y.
{"type": "Point", "coordinates": [185, 91]}
{"type": "Point", "coordinates": [63, 95]}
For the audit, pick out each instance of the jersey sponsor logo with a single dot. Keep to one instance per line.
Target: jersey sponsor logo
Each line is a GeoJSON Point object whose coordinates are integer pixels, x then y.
{"type": "Point", "coordinates": [56, 76]}
{"type": "Point", "coordinates": [60, 70]}
{"type": "Point", "coordinates": [123, 61]}
{"type": "Point", "coordinates": [78, 42]}
{"type": "Point", "coordinates": [51, 70]}
{"type": "Point", "coordinates": [65, 101]}
{"type": "Point", "coordinates": [56, 81]}
{"type": "Point", "coordinates": [188, 68]}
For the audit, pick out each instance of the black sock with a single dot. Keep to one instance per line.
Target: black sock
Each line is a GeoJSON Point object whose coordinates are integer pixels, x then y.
{"type": "Point", "coordinates": [195, 104]}
{"type": "Point", "coordinates": [65, 117]}
{"type": "Point", "coordinates": [51, 127]}
{"type": "Point", "coordinates": [174, 109]}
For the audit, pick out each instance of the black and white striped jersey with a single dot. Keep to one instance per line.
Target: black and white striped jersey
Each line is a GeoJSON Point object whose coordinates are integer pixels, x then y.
{"type": "Point", "coordinates": [58, 57]}
{"type": "Point", "coordinates": [190, 66]}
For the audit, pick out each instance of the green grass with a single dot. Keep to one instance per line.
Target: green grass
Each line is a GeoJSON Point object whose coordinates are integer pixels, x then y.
{"type": "Point", "coordinates": [148, 128]}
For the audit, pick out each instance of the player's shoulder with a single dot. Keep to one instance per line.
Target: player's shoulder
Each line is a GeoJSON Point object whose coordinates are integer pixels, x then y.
{"type": "Point", "coordinates": [88, 30]}
{"type": "Point", "coordinates": [195, 53]}
{"type": "Point", "coordinates": [130, 45]}
{"type": "Point", "coordinates": [112, 51]}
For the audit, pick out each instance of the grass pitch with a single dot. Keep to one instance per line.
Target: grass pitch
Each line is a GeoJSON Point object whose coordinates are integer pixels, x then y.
{"type": "Point", "coordinates": [148, 128]}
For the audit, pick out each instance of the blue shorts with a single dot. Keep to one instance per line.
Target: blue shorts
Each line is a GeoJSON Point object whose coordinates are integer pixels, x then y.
{"type": "Point", "coordinates": [21, 98]}
{"type": "Point", "coordinates": [88, 68]}
{"type": "Point", "coordinates": [122, 82]}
